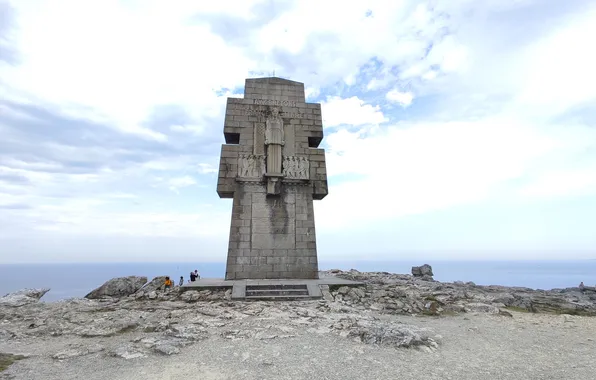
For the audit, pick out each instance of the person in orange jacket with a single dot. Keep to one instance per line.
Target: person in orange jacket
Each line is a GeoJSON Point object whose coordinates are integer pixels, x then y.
{"type": "Point", "coordinates": [168, 283]}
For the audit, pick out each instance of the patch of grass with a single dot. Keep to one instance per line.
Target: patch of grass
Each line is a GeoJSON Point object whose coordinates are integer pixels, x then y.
{"type": "Point", "coordinates": [444, 313]}
{"type": "Point", "coordinates": [573, 312]}
{"type": "Point", "coordinates": [552, 311]}
{"type": "Point", "coordinates": [7, 359]}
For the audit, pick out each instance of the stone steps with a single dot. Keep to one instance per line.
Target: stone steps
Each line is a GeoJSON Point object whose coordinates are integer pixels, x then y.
{"type": "Point", "coordinates": [277, 298]}
{"type": "Point", "coordinates": [277, 292]}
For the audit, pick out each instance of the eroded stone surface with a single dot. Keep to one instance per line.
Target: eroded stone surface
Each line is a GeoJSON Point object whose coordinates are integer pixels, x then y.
{"type": "Point", "coordinates": [398, 316]}
{"type": "Point", "coordinates": [135, 329]}
{"type": "Point", "coordinates": [118, 287]}
{"type": "Point", "coordinates": [23, 297]}
{"type": "Point", "coordinates": [76, 350]}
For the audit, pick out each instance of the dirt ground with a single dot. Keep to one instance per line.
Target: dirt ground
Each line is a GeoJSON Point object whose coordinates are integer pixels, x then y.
{"type": "Point", "coordinates": [473, 346]}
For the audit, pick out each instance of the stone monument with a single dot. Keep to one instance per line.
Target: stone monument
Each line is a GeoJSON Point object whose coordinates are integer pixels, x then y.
{"type": "Point", "coordinates": [273, 169]}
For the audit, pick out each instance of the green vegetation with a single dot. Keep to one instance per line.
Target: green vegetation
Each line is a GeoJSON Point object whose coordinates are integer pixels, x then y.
{"type": "Point", "coordinates": [7, 359]}
{"type": "Point", "coordinates": [556, 311]}
{"type": "Point", "coordinates": [444, 313]}
{"type": "Point", "coordinates": [573, 312]}
{"type": "Point", "coordinates": [517, 308]}
{"type": "Point", "coordinates": [430, 313]}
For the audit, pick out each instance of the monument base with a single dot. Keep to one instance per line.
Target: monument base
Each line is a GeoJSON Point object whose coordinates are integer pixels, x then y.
{"type": "Point", "coordinates": [281, 289]}
{"type": "Point", "coordinates": [272, 237]}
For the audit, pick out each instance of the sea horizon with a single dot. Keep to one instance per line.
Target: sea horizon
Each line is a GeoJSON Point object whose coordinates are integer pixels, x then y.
{"type": "Point", "coordinates": [67, 280]}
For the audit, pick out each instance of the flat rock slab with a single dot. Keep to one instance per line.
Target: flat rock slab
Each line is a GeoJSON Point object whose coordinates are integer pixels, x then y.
{"type": "Point", "coordinates": [221, 283]}
{"type": "Point", "coordinates": [239, 286]}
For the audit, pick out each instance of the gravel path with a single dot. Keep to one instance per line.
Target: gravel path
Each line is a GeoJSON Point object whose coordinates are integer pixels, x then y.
{"type": "Point", "coordinates": [474, 346]}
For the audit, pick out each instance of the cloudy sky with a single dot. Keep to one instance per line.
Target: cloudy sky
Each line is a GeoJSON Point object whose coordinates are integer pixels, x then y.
{"type": "Point", "coordinates": [454, 129]}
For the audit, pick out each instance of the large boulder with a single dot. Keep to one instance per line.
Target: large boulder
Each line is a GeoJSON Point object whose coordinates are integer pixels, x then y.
{"type": "Point", "coordinates": [118, 287]}
{"type": "Point", "coordinates": [422, 271]}
{"type": "Point", "coordinates": [23, 297]}
{"type": "Point", "coordinates": [156, 284]}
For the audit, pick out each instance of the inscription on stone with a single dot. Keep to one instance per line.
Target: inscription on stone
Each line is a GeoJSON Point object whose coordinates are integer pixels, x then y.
{"type": "Point", "coordinates": [292, 115]}
{"type": "Point", "coordinates": [251, 166]}
{"type": "Point", "coordinates": [248, 110]}
{"type": "Point", "coordinates": [267, 102]}
{"type": "Point", "coordinates": [296, 167]}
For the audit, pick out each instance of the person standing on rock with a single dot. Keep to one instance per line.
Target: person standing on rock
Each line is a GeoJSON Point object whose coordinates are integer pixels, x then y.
{"type": "Point", "coordinates": [193, 276]}
{"type": "Point", "coordinates": [197, 275]}
{"type": "Point", "coordinates": [581, 287]}
{"type": "Point", "coordinates": [168, 283]}
{"type": "Point", "coordinates": [181, 282]}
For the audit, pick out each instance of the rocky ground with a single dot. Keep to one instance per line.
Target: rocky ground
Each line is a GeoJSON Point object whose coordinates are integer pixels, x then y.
{"type": "Point", "coordinates": [397, 326]}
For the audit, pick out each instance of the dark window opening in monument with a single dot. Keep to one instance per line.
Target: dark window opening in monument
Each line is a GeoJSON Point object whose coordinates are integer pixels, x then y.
{"type": "Point", "coordinates": [232, 138]}
{"type": "Point", "coordinates": [226, 194]}
{"type": "Point", "coordinates": [313, 142]}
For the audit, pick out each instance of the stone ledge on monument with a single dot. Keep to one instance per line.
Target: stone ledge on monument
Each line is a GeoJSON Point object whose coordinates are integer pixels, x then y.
{"type": "Point", "coordinates": [265, 82]}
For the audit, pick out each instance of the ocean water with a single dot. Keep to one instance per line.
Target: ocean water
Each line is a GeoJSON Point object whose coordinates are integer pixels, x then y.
{"type": "Point", "coordinates": [76, 280]}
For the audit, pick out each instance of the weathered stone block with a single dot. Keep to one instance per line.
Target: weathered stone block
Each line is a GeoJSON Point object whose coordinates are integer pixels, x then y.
{"type": "Point", "coordinates": [273, 260]}
{"type": "Point", "coordinates": [280, 267]}
{"type": "Point", "coordinates": [273, 241]}
{"type": "Point", "coordinates": [242, 260]}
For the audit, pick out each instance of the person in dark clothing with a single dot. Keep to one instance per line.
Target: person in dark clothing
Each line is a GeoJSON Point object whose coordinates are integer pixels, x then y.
{"type": "Point", "coordinates": [193, 276]}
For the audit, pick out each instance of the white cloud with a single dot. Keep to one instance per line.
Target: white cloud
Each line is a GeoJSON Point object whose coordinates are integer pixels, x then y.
{"type": "Point", "coordinates": [570, 182]}
{"type": "Point", "coordinates": [206, 169]}
{"type": "Point", "coordinates": [311, 92]}
{"type": "Point", "coordinates": [121, 196]}
{"type": "Point", "coordinates": [559, 69]}
{"type": "Point", "coordinates": [418, 168]}
{"type": "Point", "coordinates": [190, 129]}
{"type": "Point", "coordinates": [353, 111]}
{"type": "Point", "coordinates": [177, 183]}
{"type": "Point", "coordinates": [504, 97]}
{"type": "Point", "coordinates": [402, 98]}
{"type": "Point", "coordinates": [121, 71]}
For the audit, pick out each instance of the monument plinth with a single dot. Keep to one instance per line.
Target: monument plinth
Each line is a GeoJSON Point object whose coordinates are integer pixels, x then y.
{"type": "Point", "coordinates": [271, 166]}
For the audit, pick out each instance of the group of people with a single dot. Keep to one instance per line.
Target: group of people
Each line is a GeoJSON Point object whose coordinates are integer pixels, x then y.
{"type": "Point", "coordinates": [168, 283]}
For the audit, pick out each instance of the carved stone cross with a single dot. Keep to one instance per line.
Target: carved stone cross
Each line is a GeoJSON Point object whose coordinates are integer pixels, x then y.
{"type": "Point", "coordinates": [271, 166]}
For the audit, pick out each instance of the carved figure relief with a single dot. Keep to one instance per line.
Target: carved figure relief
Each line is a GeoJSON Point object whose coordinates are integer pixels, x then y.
{"type": "Point", "coordinates": [251, 166]}
{"type": "Point", "coordinates": [296, 167]}
{"type": "Point", "coordinates": [274, 132]}
{"type": "Point", "coordinates": [274, 140]}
